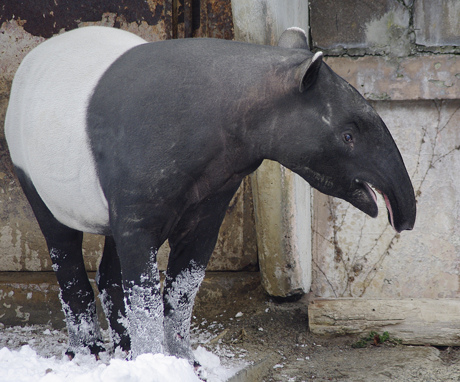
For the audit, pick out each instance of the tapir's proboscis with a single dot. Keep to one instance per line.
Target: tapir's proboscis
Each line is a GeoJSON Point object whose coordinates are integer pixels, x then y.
{"type": "Point", "coordinates": [148, 142]}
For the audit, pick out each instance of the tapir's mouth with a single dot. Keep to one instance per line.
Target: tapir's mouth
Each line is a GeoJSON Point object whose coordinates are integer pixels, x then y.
{"type": "Point", "coordinates": [369, 190]}
{"type": "Point", "coordinates": [360, 193]}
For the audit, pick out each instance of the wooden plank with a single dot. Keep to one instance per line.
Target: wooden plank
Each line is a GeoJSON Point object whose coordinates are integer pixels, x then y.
{"type": "Point", "coordinates": [414, 321]}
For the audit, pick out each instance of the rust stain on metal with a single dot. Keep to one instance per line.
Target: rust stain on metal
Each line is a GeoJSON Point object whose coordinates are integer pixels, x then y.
{"type": "Point", "coordinates": [219, 21]}
{"type": "Point", "coordinates": [50, 17]}
{"type": "Point", "coordinates": [199, 18]}
{"type": "Point", "coordinates": [175, 18]}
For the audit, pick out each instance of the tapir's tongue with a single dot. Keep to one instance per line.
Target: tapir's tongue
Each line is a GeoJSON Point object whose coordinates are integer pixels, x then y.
{"type": "Point", "coordinates": [387, 202]}
{"type": "Point", "coordinates": [390, 211]}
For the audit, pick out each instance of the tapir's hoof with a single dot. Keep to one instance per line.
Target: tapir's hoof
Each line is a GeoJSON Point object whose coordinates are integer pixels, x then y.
{"type": "Point", "coordinates": [70, 354]}
{"type": "Point", "coordinates": [124, 344]}
{"type": "Point", "coordinates": [94, 349]}
{"type": "Point", "coordinates": [200, 371]}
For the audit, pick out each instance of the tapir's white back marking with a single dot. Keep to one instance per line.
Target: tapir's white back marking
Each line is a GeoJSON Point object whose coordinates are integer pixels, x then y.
{"type": "Point", "coordinates": [46, 121]}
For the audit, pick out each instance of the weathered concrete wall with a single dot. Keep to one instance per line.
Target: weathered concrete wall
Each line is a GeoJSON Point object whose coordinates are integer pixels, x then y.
{"type": "Point", "coordinates": [356, 256]}
{"type": "Point", "coordinates": [283, 221]}
{"type": "Point", "coordinates": [33, 298]}
{"type": "Point", "coordinates": [281, 198]}
{"type": "Point", "coordinates": [412, 321]}
{"type": "Point", "coordinates": [396, 28]}
{"type": "Point", "coordinates": [380, 78]}
{"type": "Point", "coordinates": [22, 27]}
{"type": "Point", "coordinates": [359, 27]}
{"type": "Point", "coordinates": [436, 23]}
{"type": "Point", "coordinates": [417, 94]}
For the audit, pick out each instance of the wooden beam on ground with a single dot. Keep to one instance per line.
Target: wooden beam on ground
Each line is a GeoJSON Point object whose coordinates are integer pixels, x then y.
{"type": "Point", "coordinates": [414, 321]}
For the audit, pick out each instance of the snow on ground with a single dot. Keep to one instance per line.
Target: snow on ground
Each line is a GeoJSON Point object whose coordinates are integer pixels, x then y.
{"type": "Point", "coordinates": [37, 354]}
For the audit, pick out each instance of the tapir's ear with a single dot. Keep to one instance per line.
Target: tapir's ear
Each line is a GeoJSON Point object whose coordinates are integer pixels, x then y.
{"type": "Point", "coordinates": [293, 38]}
{"type": "Point", "coordinates": [309, 70]}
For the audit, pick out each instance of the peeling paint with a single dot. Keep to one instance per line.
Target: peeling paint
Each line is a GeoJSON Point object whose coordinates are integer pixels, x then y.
{"type": "Point", "coordinates": [13, 250]}
{"type": "Point", "coordinates": [54, 17]}
{"type": "Point", "coordinates": [15, 43]}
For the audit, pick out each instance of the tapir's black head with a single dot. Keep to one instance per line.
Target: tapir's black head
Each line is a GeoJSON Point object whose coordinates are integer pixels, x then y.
{"type": "Point", "coordinates": [342, 147]}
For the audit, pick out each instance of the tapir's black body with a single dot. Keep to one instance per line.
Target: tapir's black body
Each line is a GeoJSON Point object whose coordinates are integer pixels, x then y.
{"type": "Point", "coordinates": [174, 127]}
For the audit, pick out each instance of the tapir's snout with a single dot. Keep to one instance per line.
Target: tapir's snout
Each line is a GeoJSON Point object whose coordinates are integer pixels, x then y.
{"type": "Point", "coordinates": [401, 210]}
{"type": "Point", "coordinates": [355, 181]}
{"type": "Point", "coordinates": [393, 184]}
{"type": "Point", "coordinates": [400, 201]}
{"type": "Point", "coordinates": [400, 204]}
{"type": "Point", "coordinates": [392, 181]}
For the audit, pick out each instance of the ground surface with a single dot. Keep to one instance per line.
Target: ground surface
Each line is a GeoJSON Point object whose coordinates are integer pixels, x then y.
{"type": "Point", "coordinates": [255, 326]}
{"type": "Point", "coordinates": [245, 327]}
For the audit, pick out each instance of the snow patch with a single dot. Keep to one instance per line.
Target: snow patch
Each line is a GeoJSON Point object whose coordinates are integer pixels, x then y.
{"type": "Point", "coordinates": [26, 365]}
{"type": "Point", "coordinates": [43, 360]}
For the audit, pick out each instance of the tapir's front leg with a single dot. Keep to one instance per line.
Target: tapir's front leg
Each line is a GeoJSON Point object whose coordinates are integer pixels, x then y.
{"type": "Point", "coordinates": [144, 310]}
{"type": "Point", "coordinates": [179, 296]}
{"type": "Point", "coordinates": [137, 250]}
{"type": "Point", "coordinates": [192, 243]}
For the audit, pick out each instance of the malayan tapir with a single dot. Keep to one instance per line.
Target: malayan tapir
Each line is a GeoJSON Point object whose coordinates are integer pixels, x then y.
{"type": "Point", "coordinates": [147, 142]}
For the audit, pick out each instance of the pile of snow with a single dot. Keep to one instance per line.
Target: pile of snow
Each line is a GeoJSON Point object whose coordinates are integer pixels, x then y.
{"type": "Point", "coordinates": [26, 365]}
{"type": "Point", "coordinates": [37, 362]}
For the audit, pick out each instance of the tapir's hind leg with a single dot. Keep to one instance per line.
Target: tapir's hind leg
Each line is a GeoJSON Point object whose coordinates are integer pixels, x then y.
{"type": "Point", "coordinates": [192, 243]}
{"type": "Point", "coordinates": [110, 287]}
{"type": "Point", "coordinates": [77, 295]}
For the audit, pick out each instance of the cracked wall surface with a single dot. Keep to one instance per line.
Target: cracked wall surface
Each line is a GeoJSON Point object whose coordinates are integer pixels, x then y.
{"type": "Point", "coordinates": [429, 77]}
{"type": "Point", "coordinates": [397, 28]}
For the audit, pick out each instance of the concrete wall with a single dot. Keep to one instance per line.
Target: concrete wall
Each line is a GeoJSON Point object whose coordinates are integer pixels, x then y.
{"type": "Point", "coordinates": [23, 26]}
{"type": "Point", "coordinates": [360, 27]}
{"type": "Point", "coordinates": [396, 28]}
{"type": "Point", "coordinates": [404, 57]}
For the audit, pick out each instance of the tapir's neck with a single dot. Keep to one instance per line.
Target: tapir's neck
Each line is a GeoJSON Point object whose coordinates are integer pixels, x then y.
{"type": "Point", "coordinates": [284, 131]}
{"type": "Point", "coordinates": [268, 112]}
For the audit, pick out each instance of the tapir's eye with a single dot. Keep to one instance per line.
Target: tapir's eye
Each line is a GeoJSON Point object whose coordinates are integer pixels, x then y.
{"type": "Point", "coordinates": [347, 137]}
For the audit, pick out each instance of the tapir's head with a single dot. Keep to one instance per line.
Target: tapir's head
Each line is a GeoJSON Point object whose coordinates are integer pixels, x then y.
{"type": "Point", "coordinates": [340, 145]}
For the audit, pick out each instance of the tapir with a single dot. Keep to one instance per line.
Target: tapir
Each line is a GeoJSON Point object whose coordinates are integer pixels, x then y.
{"type": "Point", "coordinates": [147, 142]}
